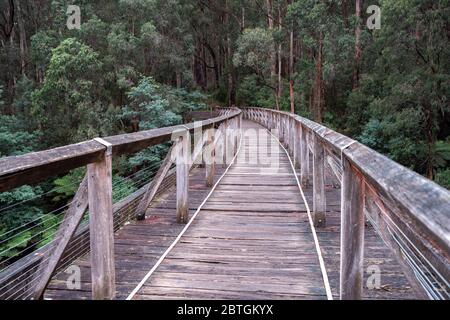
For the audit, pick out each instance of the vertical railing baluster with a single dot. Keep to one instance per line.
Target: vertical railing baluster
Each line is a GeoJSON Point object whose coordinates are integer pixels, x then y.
{"type": "Point", "coordinates": [304, 154]}
{"type": "Point", "coordinates": [352, 233]}
{"type": "Point", "coordinates": [210, 153]}
{"type": "Point", "coordinates": [292, 135]}
{"type": "Point", "coordinates": [225, 141]}
{"type": "Point", "coordinates": [298, 144]}
{"type": "Point", "coordinates": [182, 172]}
{"type": "Point", "coordinates": [235, 136]}
{"type": "Point", "coordinates": [319, 200]}
{"type": "Point", "coordinates": [101, 227]}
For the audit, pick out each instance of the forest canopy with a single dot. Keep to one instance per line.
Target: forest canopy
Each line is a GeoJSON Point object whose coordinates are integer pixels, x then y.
{"type": "Point", "coordinates": [386, 87]}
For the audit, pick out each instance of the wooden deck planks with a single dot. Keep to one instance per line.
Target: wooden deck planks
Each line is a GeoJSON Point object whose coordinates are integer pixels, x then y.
{"type": "Point", "coordinates": [246, 243]}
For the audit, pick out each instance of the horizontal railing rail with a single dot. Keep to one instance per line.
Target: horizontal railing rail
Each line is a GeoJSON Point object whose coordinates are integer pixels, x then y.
{"type": "Point", "coordinates": [410, 212]}
{"type": "Point", "coordinates": [34, 167]}
{"type": "Point", "coordinates": [28, 277]}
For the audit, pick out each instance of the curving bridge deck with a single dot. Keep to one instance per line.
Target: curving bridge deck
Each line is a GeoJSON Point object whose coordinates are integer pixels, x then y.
{"type": "Point", "coordinates": [251, 239]}
{"type": "Point", "coordinates": [303, 213]}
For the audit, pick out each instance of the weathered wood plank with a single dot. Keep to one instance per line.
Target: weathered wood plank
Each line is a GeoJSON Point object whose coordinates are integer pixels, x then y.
{"type": "Point", "coordinates": [352, 234]}
{"type": "Point", "coordinates": [210, 156]}
{"type": "Point", "coordinates": [67, 229]}
{"type": "Point", "coordinates": [304, 154]}
{"type": "Point", "coordinates": [152, 188]}
{"type": "Point", "coordinates": [34, 167]}
{"type": "Point", "coordinates": [319, 203]}
{"type": "Point", "coordinates": [182, 165]}
{"type": "Point", "coordinates": [101, 228]}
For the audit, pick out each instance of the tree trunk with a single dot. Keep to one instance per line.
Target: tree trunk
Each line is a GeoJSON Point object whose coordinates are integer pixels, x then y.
{"type": "Point", "coordinates": [280, 83]}
{"type": "Point", "coordinates": [231, 95]}
{"type": "Point", "coordinates": [215, 63]}
{"type": "Point", "coordinates": [199, 66]}
{"type": "Point", "coordinates": [428, 113]}
{"type": "Point", "coordinates": [178, 79]}
{"type": "Point", "coordinates": [23, 38]}
{"type": "Point", "coordinates": [358, 50]}
{"type": "Point", "coordinates": [291, 69]}
{"type": "Point", "coordinates": [345, 13]}
{"type": "Point", "coordinates": [204, 73]}
{"type": "Point", "coordinates": [318, 97]}
{"type": "Point", "coordinates": [273, 58]}
{"type": "Point", "coordinates": [7, 26]}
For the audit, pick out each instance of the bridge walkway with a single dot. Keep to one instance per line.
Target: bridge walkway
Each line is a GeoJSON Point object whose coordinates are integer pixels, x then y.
{"type": "Point", "coordinates": [252, 239]}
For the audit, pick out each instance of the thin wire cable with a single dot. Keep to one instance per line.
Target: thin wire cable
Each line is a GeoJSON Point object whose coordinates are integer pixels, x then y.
{"type": "Point", "coordinates": [423, 258]}
{"type": "Point", "coordinates": [46, 216]}
{"type": "Point", "coordinates": [32, 237]}
{"type": "Point", "coordinates": [36, 197]}
{"type": "Point", "coordinates": [64, 260]}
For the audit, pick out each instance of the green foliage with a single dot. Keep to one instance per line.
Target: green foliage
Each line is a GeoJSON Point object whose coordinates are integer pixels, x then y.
{"type": "Point", "coordinates": [67, 104]}
{"type": "Point", "coordinates": [149, 106]}
{"type": "Point", "coordinates": [42, 44]}
{"type": "Point", "coordinates": [66, 186]}
{"type": "Point", "coordinates": [94, 33]}
{"type": "Point", "coordinates": [250, 92]}
{"type": "Point", "coordinates": [122, 188]}
{"type": "Point", "coordinates": [254, 49]}
{"type": "Point", "coordinates": [23, 101]}
{"type": "Point", "coordinates": [14, 237]}
{"type": "Point", "coordinates": [442, 154]}
{"type": "Point", "coordinates": [402, 97]}
{"type": "Point", "coordinates": [153, 108]}
{"type": "Point", "coordinates": [14, 139]}
{"type": "Point", "coordinates": [443, 178]}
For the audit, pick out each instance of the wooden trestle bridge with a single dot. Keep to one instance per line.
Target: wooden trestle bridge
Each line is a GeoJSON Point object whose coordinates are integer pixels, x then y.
{"type": "Point", "coordinates": [278, 207]}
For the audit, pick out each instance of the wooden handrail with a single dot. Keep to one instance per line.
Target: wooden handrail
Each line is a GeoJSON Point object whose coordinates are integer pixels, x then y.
{"type": "Point", "coordinates": [36, 166]}
{"type": "Point", "coordinates": [416, 209]}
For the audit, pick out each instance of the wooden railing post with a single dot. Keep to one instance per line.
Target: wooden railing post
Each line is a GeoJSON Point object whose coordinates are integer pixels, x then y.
{"type": "Point", "coordinates": [319, 199]}
{"type": "Point", "coordinates": [298, 144]}
{"type": "Point", "coordinates": [231, 140]}
{"type": "Point", "coordinates": [292, 135]}
{"type": "Point", "coordinates": [240, 123]}
{"type": "Point", "coordinates": [270, 120]}
{"type": "Point", "coordinates": [304, 157]}
{"type": "Point", "coordinates": [280, 127]}
{"type": "Point", "coordinates": [287, 132]}
{"type": "Point", "coordinates": [182, 172]}
{"type": "Point", "coordinates": [210, 150]}
{"type": "Point", "coordinates": [225, 142]}
{"type": "Point", "coordinates": [235, 136]}
{"type": "Point", "coordinates": [101, 226]}
{"type": "Point", "coordinates": [352, 234]}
